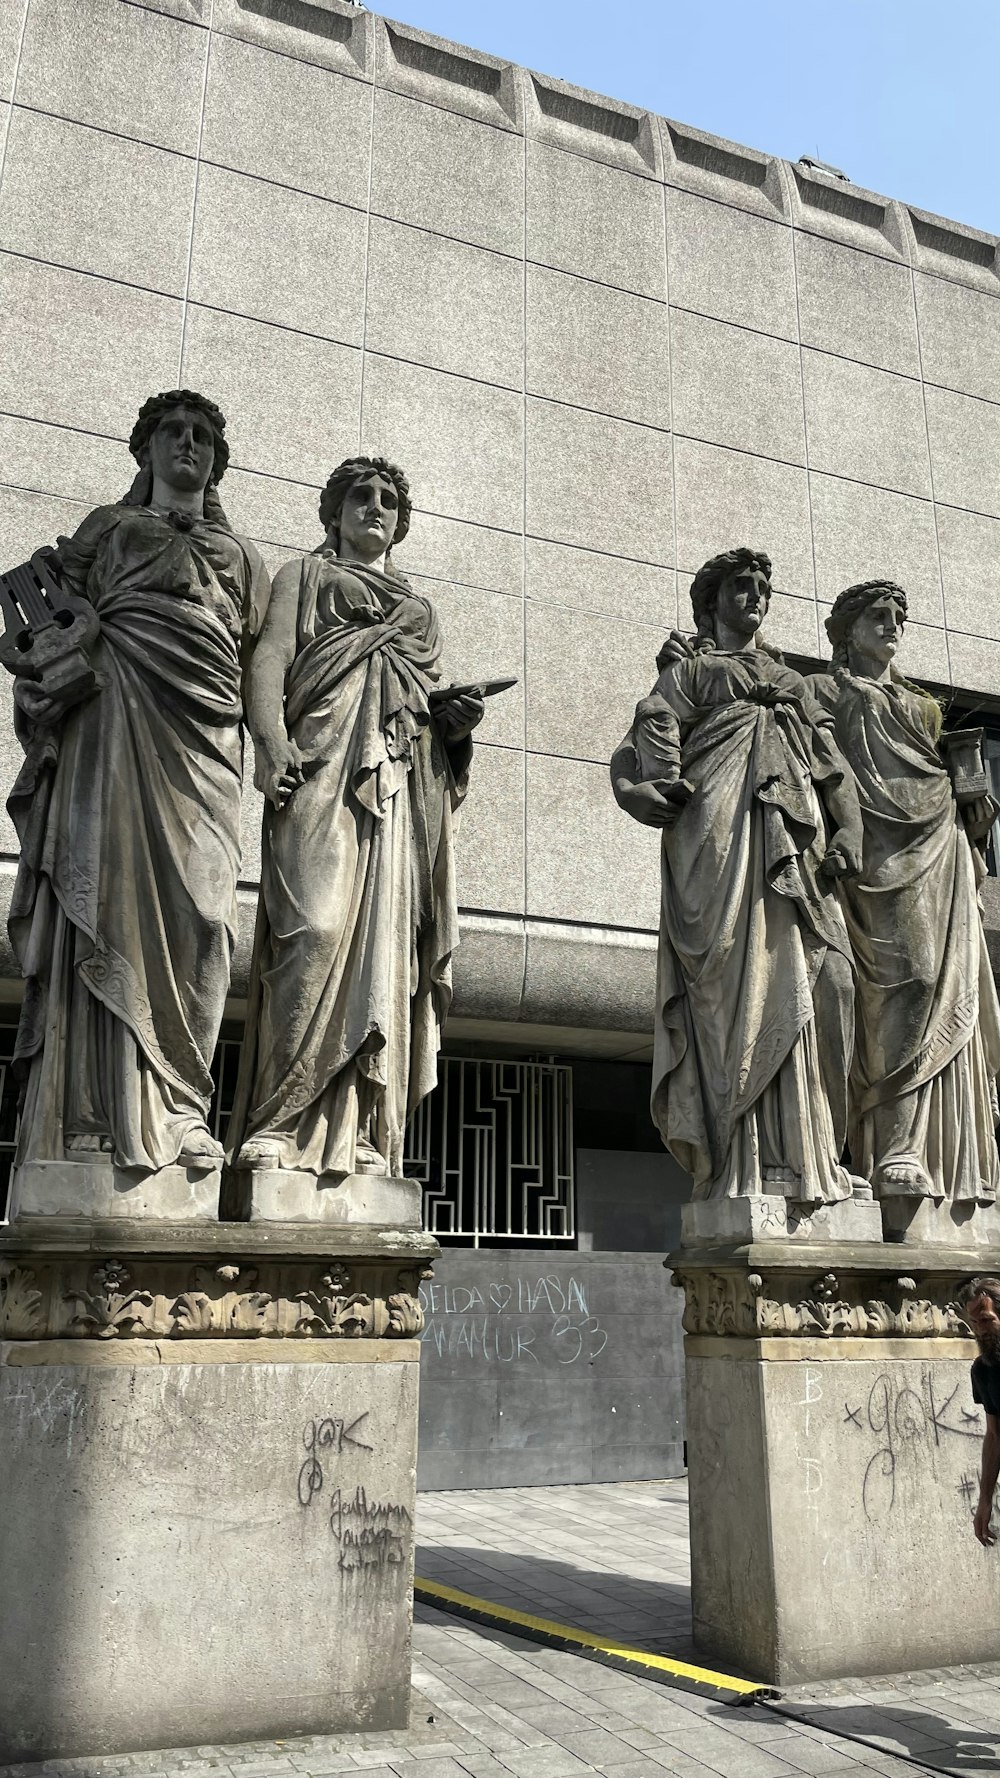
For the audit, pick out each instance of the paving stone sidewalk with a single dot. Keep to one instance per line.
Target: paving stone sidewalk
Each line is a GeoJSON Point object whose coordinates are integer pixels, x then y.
{"type": "Point", "coordinates": [490, 1705]}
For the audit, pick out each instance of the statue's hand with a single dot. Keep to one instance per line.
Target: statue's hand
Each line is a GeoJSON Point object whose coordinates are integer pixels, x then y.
{"type": "Point", "coordinates": [41, 709]}
{"type": "Point", "coordinates": [652, 804]}
{"type": "Point", "coordinates": [842, 859]}
{"type": "Point", "coordinates": [457, 717]}
{"type": "Point", "coordinates": [278, 771]}
{"type": "Point", "coordinates": [979, 817]}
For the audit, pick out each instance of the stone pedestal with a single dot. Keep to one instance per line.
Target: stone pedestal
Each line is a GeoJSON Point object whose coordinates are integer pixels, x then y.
{"type": "Point", "coordinates": [207, 1451]}
{"type": "Point", "coordinates": [285, 1195]}
{"type": "Point", "coordinates": [93, 1189]}
{"type": "Point", "coordinates": [705, 1222]}
{"type": "Point", "coordinates": [833, 1453]}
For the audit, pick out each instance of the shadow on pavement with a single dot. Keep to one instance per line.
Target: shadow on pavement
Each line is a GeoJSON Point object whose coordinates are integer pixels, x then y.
{"type": "Point", "coordinates": [647, 1613]}
{"type": "Point", "coordinates": [921, 1735]}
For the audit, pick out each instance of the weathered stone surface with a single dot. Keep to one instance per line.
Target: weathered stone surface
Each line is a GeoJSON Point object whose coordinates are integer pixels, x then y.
{"type": "Point", "coordinates": [594, 220]}
{"type": "Point", "coordinates": [769, 1218]}
{"type": "Point", "coordinates": [95, 1190]}
{"type": "Point", "coordinates": [295, 399]}
{"type": "Point", "coordinates": [859, 531]}
{"type": "Point", "coordinates": [96, 202]}
{"type": "Point", "coordinates": [973, 662]}
{"type": "Point", "coordinates": [78, 350]}
{"type": "Point", "coordinates": [443, 303]}
{"type": "Point", "coordinates": [569, 666]}
{"type": "Point", "coordinates": [584, 580]}
{"type": "Point", "coordinates": [467, 437]}
{"type": "Point", "coordinates": [959, 336]}
{"type": "Point", "coordinates": [282, 1195]}
{"type": "Point", "coordinates": [11, 26]}
{"type": "Point", "coordinates": [275, 116]}
{"type": "Point", "coordinates": [282, 1486]}
{"type": "Point", "coordinates": [490, 855]}
{"type": "Point", "coordinates": [482, 632]}
{"type": "Point", "coordinates": [970, 563]}
{"type": "Point", "coordinates": [577, 464]}
{"type": "Point", "coordinates": [730, 264]}
{"type": "Point", "coordinates": [131, 71]}
{"type": "Point", "coordinates": [597, 348]}
{"type": "Point", "coordinates": [965, 450]}
{"type": "Point", "coordinates": [611, 880]}
{"type": "Point", "coordinates": [448, 174]}
{"type": "Point", "coordinates": [61, 461]}
{"type": "Point", "coordinates": [737, 388]}
{"type": "Point", "coordinates": [865, 424]}
{"type": "Point", "coordinates": [278, 255]}
{"type": "Point", "coordinates": [856, 304]}
{"type": "Point", "coordinates": [724, 493]}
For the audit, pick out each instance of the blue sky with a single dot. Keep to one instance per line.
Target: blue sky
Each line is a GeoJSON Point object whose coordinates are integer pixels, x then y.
{"type": "Point", "coordinates": [902, 95]}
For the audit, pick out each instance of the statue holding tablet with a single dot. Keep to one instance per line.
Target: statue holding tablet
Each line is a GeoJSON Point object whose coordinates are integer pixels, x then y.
{"type": "Point", "coordinates": [364, 762]}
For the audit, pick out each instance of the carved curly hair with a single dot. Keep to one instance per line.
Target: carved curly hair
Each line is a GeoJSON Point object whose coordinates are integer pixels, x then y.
{"type": "Point", "coordinates": [709, 578]}
{"type": "Point", "coordinates": [851, 603]}
{"type": "Point", "coordinates": [153, 411]}
{"type": "Point", "coordinates": [848, 606]}
{"type": "Point", "coordinates": [347, 475]}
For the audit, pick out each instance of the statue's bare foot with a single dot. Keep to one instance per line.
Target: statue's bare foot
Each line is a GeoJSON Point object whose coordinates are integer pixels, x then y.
{"type": "Point", "coordinates": [904, 1179]}
{"type": "Point", "coordinates": [367, 1158]}
{"type": "Point", "coordinates": [89, 1142]}
{"type": "Point", "coordinates": [260, 1152]}
{"type": "Point", "coordinates": [201, 1150]}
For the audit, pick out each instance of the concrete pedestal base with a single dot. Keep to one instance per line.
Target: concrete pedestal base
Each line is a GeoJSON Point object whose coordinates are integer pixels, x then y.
{"type": "Point", "coordinates": [272, 1194]}
{"type": "Point", "coordinates": [207, 1489]}
{"type": "Point", "coordinates": [917, 1221]}
{"type": "Point", "coordinates": [94, 1189]}
{"type": "Point", "coordinates": [833, 1453]}
{"type": "Point", "coordinates": [775, 1218]}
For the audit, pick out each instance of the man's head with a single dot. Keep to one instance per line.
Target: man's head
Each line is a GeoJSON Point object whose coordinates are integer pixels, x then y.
{"type": "Point", "coordinates": [982, 1311]}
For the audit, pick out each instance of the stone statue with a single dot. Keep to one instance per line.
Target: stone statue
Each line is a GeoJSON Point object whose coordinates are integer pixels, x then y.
{"type": "Point", "coordinates": [734, 760]}
{"type": "Point", "coordinates": [363, 765]}
{"type": "Point", "coordinates": [923, 1100]}
{"type": "Point", "coordinates": [127, 808]}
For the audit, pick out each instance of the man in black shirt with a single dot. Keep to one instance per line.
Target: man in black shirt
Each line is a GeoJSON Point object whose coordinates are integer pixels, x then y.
{"type": "Point", "coordinates": [982, 1312]}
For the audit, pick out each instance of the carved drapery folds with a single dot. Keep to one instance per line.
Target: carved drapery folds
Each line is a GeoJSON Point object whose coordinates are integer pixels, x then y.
{"type": "Point", "coordinates": [741, 1304]}
{"type": "Point", "coordinates": [141, 1298]}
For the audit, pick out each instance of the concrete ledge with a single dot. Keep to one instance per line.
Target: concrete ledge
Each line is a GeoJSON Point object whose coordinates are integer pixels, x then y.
{"type": "Point", "coordinates": [330, 33]}
{"type": "Point", "coordinates": [954, 250]}
{"type": "Point", "coordinates": [826, 205]}
{"type": "Point", "coordinates": [714, 168]}
{"type": "Point", "coordinates": [440, 73]}
{"type": "Point", "coordinates": [21, 1353]}
{"type": "Point", "coordinates": [593, 126]}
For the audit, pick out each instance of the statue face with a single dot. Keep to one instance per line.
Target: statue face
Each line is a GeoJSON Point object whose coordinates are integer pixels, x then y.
{"type": "Point", "coordinates": [877, 631]}
{"type": "Point", "coordinates": [743, 600]}
{"type": "Point", "coordinates": [181, 452]}
{"type": "Point", "coordinates": [368, 518]}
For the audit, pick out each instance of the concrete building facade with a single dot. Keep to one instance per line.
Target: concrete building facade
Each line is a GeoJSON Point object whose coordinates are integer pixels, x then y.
{"type": "Point", "coordinates": [602, 344]}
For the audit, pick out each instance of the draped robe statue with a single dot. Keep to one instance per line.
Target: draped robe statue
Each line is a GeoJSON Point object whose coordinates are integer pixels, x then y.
{"type": "Point", "coordinates": [127, 808]}
{"type": "Point", "coordinates": [364, 772]}
{"type": "Point", "coordinates": [923, 1096]}
{"type": "Point", "coordinates": [734, 760]}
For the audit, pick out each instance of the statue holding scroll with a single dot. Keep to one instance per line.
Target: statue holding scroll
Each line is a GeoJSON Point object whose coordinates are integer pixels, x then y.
{"type": "Point", "coordinates": [733, 759]}
{"type": "Point", "coordinates": [127, 807]}
{"type": "Point", "coordinates": [924, 1107]}
{"type": "Point", "coordinates": [364, 766]}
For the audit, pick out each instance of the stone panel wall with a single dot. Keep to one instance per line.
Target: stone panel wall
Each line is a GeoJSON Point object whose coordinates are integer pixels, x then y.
{"type": "Point", "coordinates": [603, 345]}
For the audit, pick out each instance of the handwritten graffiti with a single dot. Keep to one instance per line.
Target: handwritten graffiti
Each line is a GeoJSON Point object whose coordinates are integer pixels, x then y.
{"type": "Point", "coordinates": [370, 1533]}
{"type": "Point", "coordinates": [903, 1419]}
{"type": "Point", "coordinates": [479, 1324]}
{"type": "Point", "coordinates": [321, 1437]}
